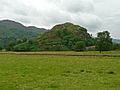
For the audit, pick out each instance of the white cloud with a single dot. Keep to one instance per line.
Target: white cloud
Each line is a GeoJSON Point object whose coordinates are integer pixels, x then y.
{"type": "Point", "coordinates": [92, 14]}
{"type": "Point", "coordinates": [109, 12]}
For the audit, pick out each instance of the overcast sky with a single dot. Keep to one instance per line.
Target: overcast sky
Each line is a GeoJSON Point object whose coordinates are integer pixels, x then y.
{"type": "Point", "coordinates": [95, 15]}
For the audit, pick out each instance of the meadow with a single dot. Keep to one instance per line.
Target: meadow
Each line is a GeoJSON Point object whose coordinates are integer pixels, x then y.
{"type": "Point", "coordinates": [42, 72]}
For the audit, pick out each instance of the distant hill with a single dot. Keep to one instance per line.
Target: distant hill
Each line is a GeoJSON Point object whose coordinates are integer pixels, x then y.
{"type": "Point", "coordinates": [11, 30]}
{"type": "Point", "coordinates": [116, 40]}
{"type": "Point", "coordinates": [64, 37]}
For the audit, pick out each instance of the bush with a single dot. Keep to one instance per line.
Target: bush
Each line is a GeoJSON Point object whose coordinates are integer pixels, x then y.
{"type": "Point", "coordinates": [80, 46]}
{"type": "Point", "coordinates": [10, 46]}
{"type": "Point", "coordinates": [104, 41]}
{"type": "Point", "coordinates": [0, 48]}
{"type": "Point", "coordinates": [22, 47]}
{"type": "Point", "coordinates": [116, 47]}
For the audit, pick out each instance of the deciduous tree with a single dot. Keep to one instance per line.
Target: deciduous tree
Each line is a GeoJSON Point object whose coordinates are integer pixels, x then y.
{"type": "Point", "coordinates": [104, 41]}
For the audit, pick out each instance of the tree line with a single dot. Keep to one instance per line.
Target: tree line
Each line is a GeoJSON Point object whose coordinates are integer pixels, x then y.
{"type": "Point", "coordinates": [103, 42]}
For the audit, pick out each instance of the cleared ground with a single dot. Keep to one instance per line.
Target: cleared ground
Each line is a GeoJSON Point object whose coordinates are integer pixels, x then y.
{"type": "Point", "coordinates": [36, 72]}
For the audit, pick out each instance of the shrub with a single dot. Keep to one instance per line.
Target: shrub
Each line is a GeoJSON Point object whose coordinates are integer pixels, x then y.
{"type": "Point", "coordinates": [0, 48]}
{"type": "Point", "coordinates": [22, 47]}
{"type": "Point", "coordinates": [80, 46]}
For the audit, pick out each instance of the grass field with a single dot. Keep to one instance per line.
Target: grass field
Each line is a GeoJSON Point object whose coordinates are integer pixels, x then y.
{"type": "Point", "coordinates": [35, 72]}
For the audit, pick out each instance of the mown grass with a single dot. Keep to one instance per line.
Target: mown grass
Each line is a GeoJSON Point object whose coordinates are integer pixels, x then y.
{"type": "Point", "coordinates": [34, 72]}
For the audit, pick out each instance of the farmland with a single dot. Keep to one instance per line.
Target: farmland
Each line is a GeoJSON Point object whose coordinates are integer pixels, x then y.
{"type": "Point", "coordinates": [44, 72]}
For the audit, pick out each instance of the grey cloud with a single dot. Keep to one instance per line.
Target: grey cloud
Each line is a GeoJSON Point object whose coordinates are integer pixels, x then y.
{"type": "Point", "coordinates": [112, 24]}
{"type": "Point", "coordinates": [56, 11]}
{"type": "Point", "coordinates": [109, 12]}
{"type": "Point", "coordinates": [46, 13]}
{"type": "Point", "coordinates": [77, 5]}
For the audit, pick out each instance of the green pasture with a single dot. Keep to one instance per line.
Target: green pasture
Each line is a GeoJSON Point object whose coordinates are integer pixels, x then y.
{"type": "Point", "coordinates": [35, 72]}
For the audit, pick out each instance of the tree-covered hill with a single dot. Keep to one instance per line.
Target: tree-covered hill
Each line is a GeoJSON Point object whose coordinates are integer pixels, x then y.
{"type": "Point", "coordinates": [116, 41]}
{"type": "Point", "coordinates": [65, 37]}
{"type": "Point", "coordinates": [11, 31]}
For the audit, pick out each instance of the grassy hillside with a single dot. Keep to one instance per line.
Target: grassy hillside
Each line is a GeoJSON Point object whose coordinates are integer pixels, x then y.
{"type": "Point", "coordinates": [11, 30]}
{"type": "Point", "coordinates": [34, 72]}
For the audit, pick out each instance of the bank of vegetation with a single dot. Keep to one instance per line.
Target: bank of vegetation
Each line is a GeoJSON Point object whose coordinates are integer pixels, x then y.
{"type": "Point", "coordinates": [62, 37]}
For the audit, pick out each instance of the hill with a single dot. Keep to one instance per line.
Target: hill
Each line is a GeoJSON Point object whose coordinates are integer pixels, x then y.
{"type": "Point", "coordinates": [64, 37]}
{"type": "Point", "coordinates": [11, 30]}
{"type": "Point", "coordinates": [116, 41]}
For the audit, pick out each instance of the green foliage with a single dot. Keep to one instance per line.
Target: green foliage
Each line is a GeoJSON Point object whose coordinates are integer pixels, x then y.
{"type": "Point", "coordinates": [104, 41]}
{"type": "Point", "coordinates": [64, 37]}
{"type": "Point", "coordinates": [26, 46]}
{"type": "Point", "coordinates": [80, 46]}
{"type": "Point", "coordinates": [22, 47]}
{"type": "Point", "coordinates": [1, 48]}
{"type": "Point", "coordinates": [19, 41]}
{"type": "Point", "coordinates": [90, 42]}
{"type": "Point", "coordinates": [11, 31]}
{"type": "Point", "coordinates": [24, 40]}
{"type": "Point", "coordinates": [10, 46]}
{"type": "Point", "coordinates": [116, 47]}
